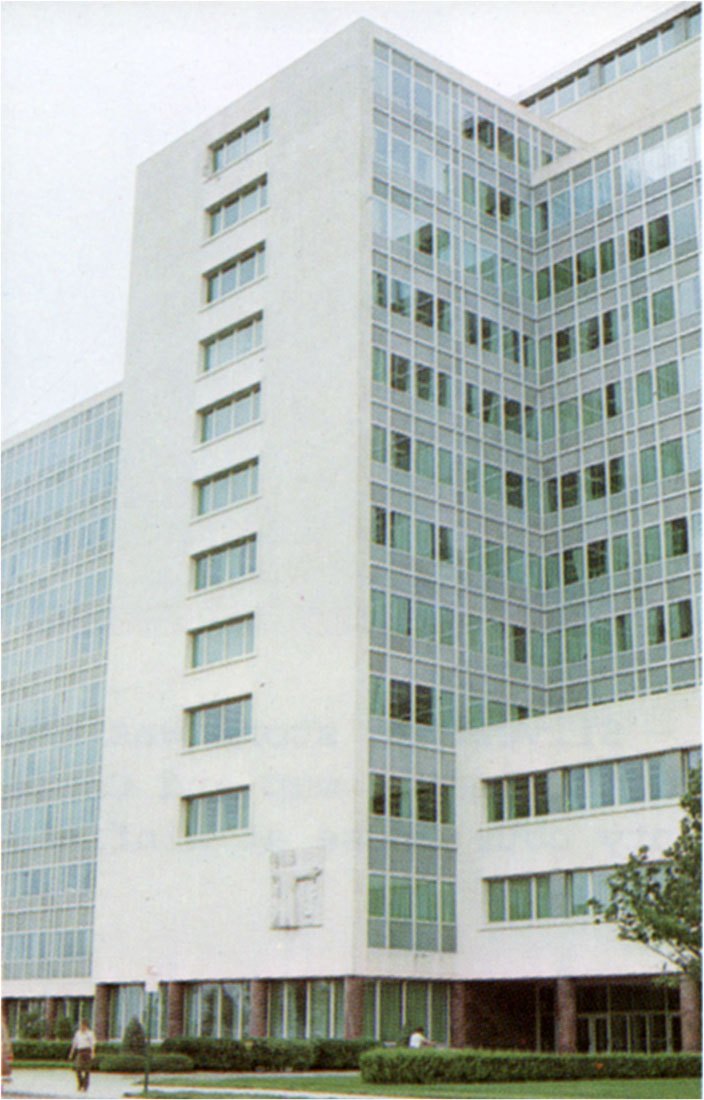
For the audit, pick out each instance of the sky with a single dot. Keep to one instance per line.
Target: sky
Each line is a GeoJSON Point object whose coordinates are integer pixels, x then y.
{"type": "Point", "coordinates": [90, 89]}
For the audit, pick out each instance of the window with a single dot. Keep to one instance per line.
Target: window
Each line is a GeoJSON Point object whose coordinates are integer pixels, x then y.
{"type": "Point", "coordinates": [613, 399]}
{"type": "Point", "coordinates": [400, 700]}
{"type": "Point", "coordinates": [592, 410]}
{"type": "Point", "coordinates": [648, 465]}
{"type": "Point", "coordinates": [518, 643]}
{"type": "Point", "coordinates": [229, 487]}
{"type": "Point", "coordinates": [562, 271]}
{"type": "Point", "coordinates": [400, 373]}
{"type": "Point", "coordinates": [671, 458]}
{"type": "Point", "coordinates": [676, 540]}
{"type": "Point", "coordinates": [400, 615]}
{"type": "Point", "coordinates": [619, 553]}
{"type": "Point", "coordinates": [426, 801]}
{"type": "Point", "coordinates": [564, 344]}
{"type": "Point", "coordinates": [595, 482]}
{"type": "Point", "coordinates": [636, 243]}
{"type": "Point", "coordinates": [586, 265]}
{"type": "Point", "coordinates": [617, 476]}
{"type": "Point", "coordinates": [379, 292]}
{"type": "Point", "coordinates": [572, 565]}
{"type": "Point", "coordinates": [227, 416]}
{"type": "Point", "coordinates": [222, 812]}
{"type": "Point", "coordinates": [223, 642]}
{"type": "Point", "coordinates": [378, 443]}
{"type": "Point", "coordinates": [588, 335]}
{"type": "Point", "coordinates": [237, 206]}
{"type": "Point", "coordinates": [424, 383]}
{"type": "Point", "coordinates": [218, 722]}
{"type": "Point", "coordinates": [680, 615]}
{"type": "Point", "coordinates": [400, 451]}
{"type": "Point", "coordinates": [663, 306]}
{"type": "Point", "coordinates": [597, 558]}
{"type": "Point", "coordinates": [231, 343]}
{"type": "Point", "coordinates": [226, 563]}
{"type": "Point", "coordinates": [651, 545]}
{"type": "Point", "coordinates": [568, 418]}
{"type": "Point", "coordinates": [519, 899]}
{"type": "Point", "coordinates": [607, 256]}
{"type": "Point", "coordinates": [378, 526]}
{"type": "Point", "coordinates": [424, 308]}
{"type": "Point", "coordinates": [377, 610]}
{"type": "Point", "coordinates": [569, 490]}
{"type": "Point", "coordinates": [240, 142]}
{"type": "Point", "coordinates": [641, 317]}
{"type": "Point", "coordinates": [235, 274]}
{"type": "Point", "coordinates": [425, 460]}
{"type": "Point", "coordinates": [400, 298]}
{"type": "Point", "coordinates": [667, 381]}
{"type": "Point", "coordinates": [514, 490]}
{"type": "Point", "coordinates": [656, 625]}
{"type": "Point", "coordinates": [658, 233]}
{"type": "Point", "coordinates": [400, 532]}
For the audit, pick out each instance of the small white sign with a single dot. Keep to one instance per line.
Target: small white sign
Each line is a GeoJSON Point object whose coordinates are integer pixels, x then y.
{"type": "Point", "coordinates": [151, 984]}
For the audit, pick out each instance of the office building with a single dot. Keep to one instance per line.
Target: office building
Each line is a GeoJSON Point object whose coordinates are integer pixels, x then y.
{"type": "Point", "coordinates": [404, 606]}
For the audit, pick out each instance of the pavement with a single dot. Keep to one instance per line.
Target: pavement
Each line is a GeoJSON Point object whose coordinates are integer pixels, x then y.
{"type": "Point", "coordinates": [60, 1084]}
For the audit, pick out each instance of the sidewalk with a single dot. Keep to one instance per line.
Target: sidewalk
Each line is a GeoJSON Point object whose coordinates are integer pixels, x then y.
{"type": "Point", "coordinates": [58, 1084]}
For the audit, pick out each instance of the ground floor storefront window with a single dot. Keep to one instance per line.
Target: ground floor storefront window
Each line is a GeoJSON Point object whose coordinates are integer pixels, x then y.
{"type": "Point", "coordinates": [627, 1017]}
{"type": "Point", "coordinates": [307, 1009]}
{"type": "Point", "coordinates": [129, 1002]}
{"type": "Point", "coordinates": [38, 1017]}
{"type": "Point", "coordinates": [217, 1010]}
{"type": "Point", "coordinates": [392, 1010]}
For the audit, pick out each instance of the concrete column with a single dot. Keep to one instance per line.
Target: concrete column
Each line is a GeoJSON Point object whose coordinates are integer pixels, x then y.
{"type": "Point", "coordinates": [566, 1016]}
{"type": "Point", "coordinates": [101, 1013]}
{"type": "Point", "coordinates": [690, 1014]}
{"type": "Point", "coordinates": [175, 996]}
{"type": "Point", "coordinates": [458, 1014]}
{"type": "Point", "coordinates": [354, 1008]}
{"type": "Point", "coordinates": [52, 1011]}
{"type": "Point", "coordinates": [258, 1009]}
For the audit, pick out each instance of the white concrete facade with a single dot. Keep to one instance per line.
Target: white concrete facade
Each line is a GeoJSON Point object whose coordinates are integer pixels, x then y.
{"type": "Point", "coordinates": [331, 800]}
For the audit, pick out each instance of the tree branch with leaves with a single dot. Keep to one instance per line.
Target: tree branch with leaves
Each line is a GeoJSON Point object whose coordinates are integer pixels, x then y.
{"type": "Point", "coordinates": [658, 902]}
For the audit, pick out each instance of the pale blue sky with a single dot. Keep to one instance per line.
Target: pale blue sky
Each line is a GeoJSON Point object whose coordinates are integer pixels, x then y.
{"type": "Point", "coordinates": [90, 89]}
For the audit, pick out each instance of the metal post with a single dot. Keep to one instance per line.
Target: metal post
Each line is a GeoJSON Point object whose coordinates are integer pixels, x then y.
{"type": "Point", "coordinates": [147, 1048]}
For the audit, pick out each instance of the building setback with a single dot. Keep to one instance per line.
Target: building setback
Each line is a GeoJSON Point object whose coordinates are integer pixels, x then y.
{"type": "Point", "coordinates": [403, 586]}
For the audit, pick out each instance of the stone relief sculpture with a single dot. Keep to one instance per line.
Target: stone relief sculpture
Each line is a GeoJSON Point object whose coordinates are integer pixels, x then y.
{"type": "Point", "coordinates": [297, 887]}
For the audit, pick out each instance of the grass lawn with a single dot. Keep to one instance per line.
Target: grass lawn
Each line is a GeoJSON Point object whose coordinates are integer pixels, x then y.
{"type": "Point", "coordinates": [347, 1084]}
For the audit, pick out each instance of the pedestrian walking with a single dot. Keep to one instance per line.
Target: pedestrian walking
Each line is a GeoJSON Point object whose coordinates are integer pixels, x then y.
{"type": "Point", "coordinates": [83, 1046]}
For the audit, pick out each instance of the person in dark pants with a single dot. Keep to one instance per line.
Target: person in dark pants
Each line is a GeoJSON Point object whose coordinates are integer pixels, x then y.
{"type": "Point", "coordinates": [83, 1046]}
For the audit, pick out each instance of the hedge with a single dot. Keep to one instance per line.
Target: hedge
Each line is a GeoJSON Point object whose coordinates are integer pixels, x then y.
{"type": "Point", "coordinates": [44, 1050]}
{"type": "Point", "coordinates": [134, 1063]}
{"type": "Point", "coordinates": [232, 1055]}
{"type": "Point", "coordinates": [396, 1066]}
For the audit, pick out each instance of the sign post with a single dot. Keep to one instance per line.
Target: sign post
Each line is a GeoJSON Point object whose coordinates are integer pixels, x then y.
{"type": "Point", "coordinates": [151, 986]}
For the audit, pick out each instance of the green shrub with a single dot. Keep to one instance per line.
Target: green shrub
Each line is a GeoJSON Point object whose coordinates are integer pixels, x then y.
{"type": "Point", "coordinates": [63, 1028]}
{"type": "Point", "coordinates": [340, 1054]}
{"type": "Point", "coordinates": [422, 1066]}
{"type": "Point", "coordinates": [51, 1050]}
{"type": "Point", "coordinates": [278, 1055]}
{"type": "Point", "coordinates": [133, 1041]}
{"type": "Point", "coordinates": [134, 1063]}
{"type": "Point", "coordinates": [213, 1054]}
{"type": "Point", "coordinates": [270, 1055]}
{"type": "Point", "coordinates": [32, 1025]}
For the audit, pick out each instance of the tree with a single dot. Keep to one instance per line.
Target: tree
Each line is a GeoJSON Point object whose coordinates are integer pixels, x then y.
{"type": "Point", "coordinates": [659, 902]}
{"type": "Point", "coordinates": [133, 1037]}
